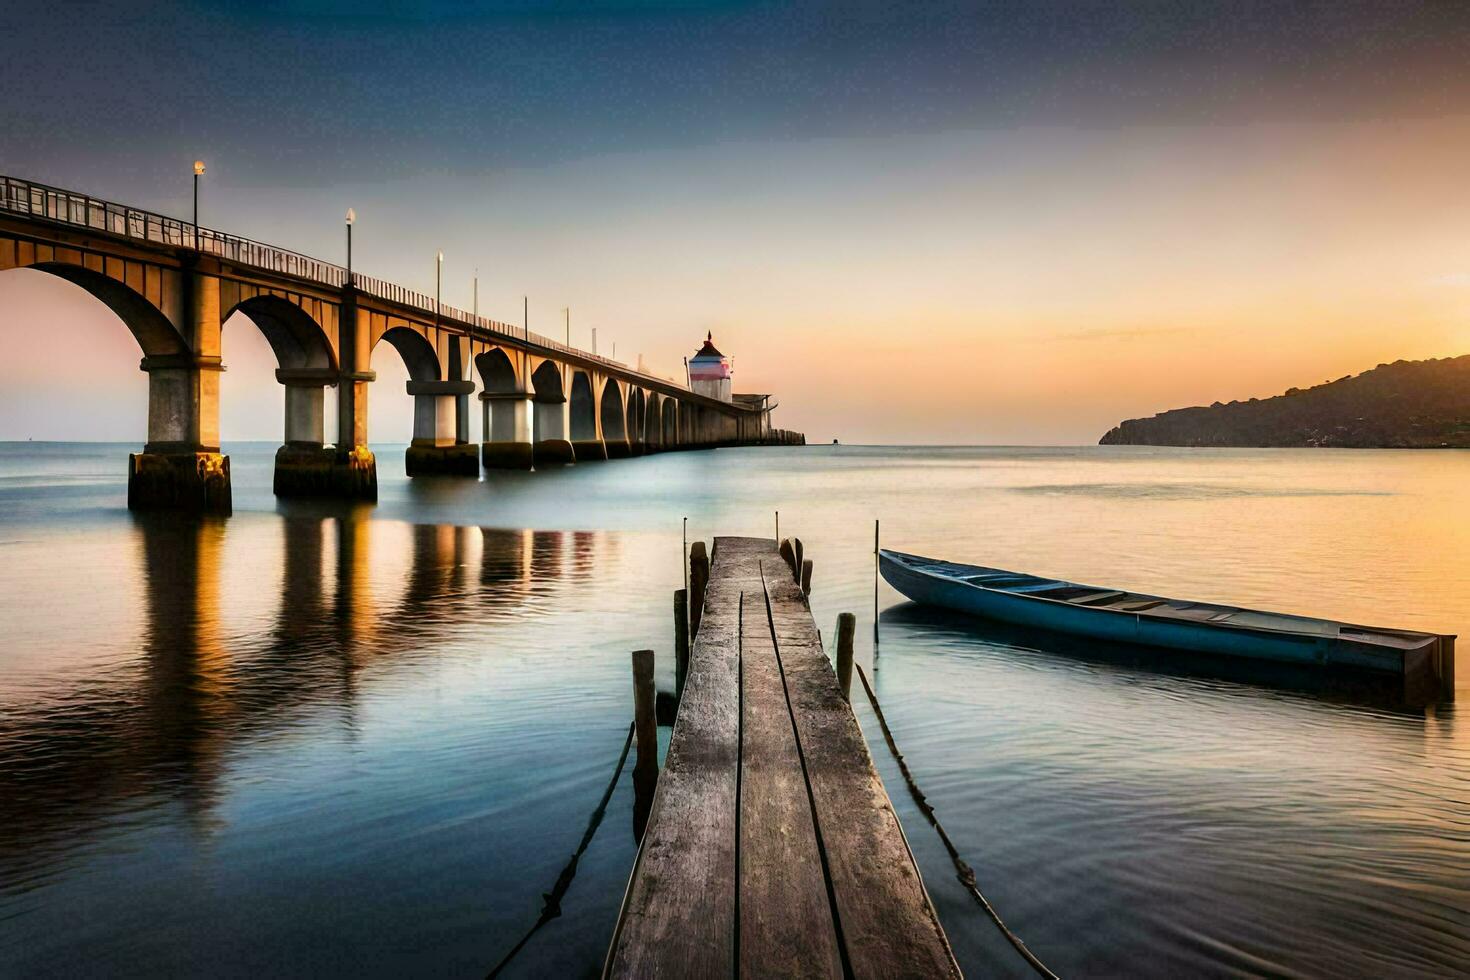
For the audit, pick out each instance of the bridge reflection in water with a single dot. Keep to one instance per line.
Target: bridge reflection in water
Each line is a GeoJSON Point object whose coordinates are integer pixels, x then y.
{"type": "Point", "coordinates": [226, 681]}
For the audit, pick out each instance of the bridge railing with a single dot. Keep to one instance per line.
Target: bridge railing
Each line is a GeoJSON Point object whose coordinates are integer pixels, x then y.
{"type": "Point", "coordinates": [68, 207]}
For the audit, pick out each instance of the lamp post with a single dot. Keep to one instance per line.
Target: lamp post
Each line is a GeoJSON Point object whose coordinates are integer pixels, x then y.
{"type": "Point", "coordinates": [438, 284]}
{"type": "Point", "coordinates": [198, 172]}
{"type": "Point", "coordinates": [568, 311]}
{"type": "Point", "coordinates": [351, 217]}
{"type": "Point", "coordinates": [474, 322]}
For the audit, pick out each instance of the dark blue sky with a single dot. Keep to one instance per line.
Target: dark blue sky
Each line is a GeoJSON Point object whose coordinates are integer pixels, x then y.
{"type": "Point", "coordinates": [321, 90]}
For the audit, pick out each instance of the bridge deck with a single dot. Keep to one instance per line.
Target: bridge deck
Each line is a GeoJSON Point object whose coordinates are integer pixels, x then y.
{"type": "Point", "coordinates": [772, 848]}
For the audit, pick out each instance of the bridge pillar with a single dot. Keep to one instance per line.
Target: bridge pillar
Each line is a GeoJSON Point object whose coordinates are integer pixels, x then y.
{"type": "Point", "coordinates": [305, 423]}
{"type": "Point", "coordinates": [436, 449]}
{"type": "Point", "coordinates": [458, 358]}
{"type": "Point", "coordinates": [305, 465]}
{"type": "Point", "coordinates": [181, 467]}
{"type": "Point", "coordinates": [354, 468]}
{"type": "Point", "coordinates": [552, 445]}
{"type": "Point", "coordinates": [507, 444]}
{"type": "Point", "coordinates": [589, 450]}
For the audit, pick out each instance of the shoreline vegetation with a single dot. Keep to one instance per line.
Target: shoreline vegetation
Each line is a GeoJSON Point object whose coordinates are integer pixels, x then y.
{"type": "Point", "coordinates": [1403, 405]}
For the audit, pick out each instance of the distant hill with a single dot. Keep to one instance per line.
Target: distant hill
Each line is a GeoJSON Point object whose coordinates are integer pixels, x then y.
{"type": "Point", "coordinates": [1406, 404]}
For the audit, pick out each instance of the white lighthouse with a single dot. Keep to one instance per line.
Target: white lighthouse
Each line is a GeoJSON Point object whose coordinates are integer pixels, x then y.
{"type": "Point", "coordinates": [710, 371]}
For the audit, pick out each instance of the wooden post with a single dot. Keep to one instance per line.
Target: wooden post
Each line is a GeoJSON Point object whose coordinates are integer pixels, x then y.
{"type": "Point", "coordinates": [788, 555]}
{"type": "Point", "coordinates": [877, 558]}
{"type": "Point", "coordinates": [681, 640]}
{"type": "Point", "coordinates": [1447, 668]}
{"type": "Point", "coordinates": [806, 577]}
{"type": "Point", "coordinates": [846, 626]}
{"type": "Point", "coordinates": [798, 557]}
{"type": "Point", "coordinates": [698, 579]}
{"type": "Point", "coordinates": [645, 721]}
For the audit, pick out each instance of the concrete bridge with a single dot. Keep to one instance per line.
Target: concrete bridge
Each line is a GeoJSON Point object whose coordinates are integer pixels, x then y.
{"type": "Point", "coordinates": [174, 285]}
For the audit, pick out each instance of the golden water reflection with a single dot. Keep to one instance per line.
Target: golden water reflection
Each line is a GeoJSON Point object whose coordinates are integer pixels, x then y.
{"type": "Point", "coordinates": [222, 654]}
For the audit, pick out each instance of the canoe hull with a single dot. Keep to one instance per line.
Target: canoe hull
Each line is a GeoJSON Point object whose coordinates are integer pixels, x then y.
{"type": "Point", "coordinates": [1138, 628]}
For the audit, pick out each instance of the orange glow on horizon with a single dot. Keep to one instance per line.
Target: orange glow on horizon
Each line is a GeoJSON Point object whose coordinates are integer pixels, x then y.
{"type": "Point", "coordinates": [1027, 285]}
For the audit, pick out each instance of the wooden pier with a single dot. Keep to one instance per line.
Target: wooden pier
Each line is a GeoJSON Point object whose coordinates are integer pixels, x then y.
{"type": "Point", "coordinates": [772, 848]}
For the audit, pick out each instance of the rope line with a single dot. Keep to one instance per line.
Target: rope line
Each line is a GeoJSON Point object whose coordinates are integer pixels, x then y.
{"type": "Point", "coordinates": [963, 871]}
{"type": "Point", "coordinates": [551, 907]}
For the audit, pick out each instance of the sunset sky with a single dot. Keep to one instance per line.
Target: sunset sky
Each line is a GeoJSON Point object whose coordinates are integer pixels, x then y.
{"type": "Point", "coordinates": [959, 223]}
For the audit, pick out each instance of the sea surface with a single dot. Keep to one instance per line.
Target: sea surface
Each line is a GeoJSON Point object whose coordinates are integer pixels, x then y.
{"type": "Point", "coordinates": [313, 739]}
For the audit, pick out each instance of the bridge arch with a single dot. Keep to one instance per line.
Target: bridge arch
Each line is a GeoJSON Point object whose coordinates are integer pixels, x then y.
{"type": "Point", "coordinates": [614, 420]}
{"type": "Point", "coordinates": [653, 423]}
{"type": "Point", "coordinates": [670, 435]}
{"type": "Point", "coordinates": [506, 411]}
{"type": "Point", "coordinates": [636, 404]}
{"type": "Point", "coordinates": [497, 372]}
{"type": "Point", "coordinates": [183, 406]}
{"type": "Point", "coordinates": [437, 446]}
{"type": "Point", "coordinates": [583, 412]}
{"type": "Point", "coordinates": [297, 340]}
{"type": "Point", "coordinates": [552, 443]}
{"type": "Point", "coordinates": [546, 383]}
{"type": "Point", "coordinates": [155, 334]}
{"type": "Point", "coordinates": [418, 354]}
{"type": "Point", "coordinates": [306, 364]}
{"type": "Point", "coordinates": [612, 415]}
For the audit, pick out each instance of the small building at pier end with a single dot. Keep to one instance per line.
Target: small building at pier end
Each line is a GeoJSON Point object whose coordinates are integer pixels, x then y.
{"type": "Point", "coordinates": [710, 372]}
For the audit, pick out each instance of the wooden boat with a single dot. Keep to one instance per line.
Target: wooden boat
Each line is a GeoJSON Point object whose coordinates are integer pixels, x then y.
{"type": "Point", "coordinates": [1425, 661]}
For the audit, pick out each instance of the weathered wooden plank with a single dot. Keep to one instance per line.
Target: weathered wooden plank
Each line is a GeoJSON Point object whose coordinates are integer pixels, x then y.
{"type": "Point", "coordinates": [814, 878]}
{"type": "Point", "coordinates": [678, 916]}
{"type": "Point", "coordinates": [786, 927]}
{"type": "Point", "coordinates": [889, 927]}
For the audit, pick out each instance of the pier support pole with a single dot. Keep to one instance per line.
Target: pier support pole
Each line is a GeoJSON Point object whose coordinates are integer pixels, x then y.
{"type": "Point", "coordinates": [806, 577]}
{"type": "Point", "coordinates": [645, 734]}
{"type": "Point", "coordinates": [645, 722]}
{"type": "Point", "coordinates": [681, 640]}
{"type": "Point", "coordinates": [798, 555]}
{"type": "Point", "coordinates": [846, 627]}
{"type": "Point", "coordinates": [877, 560]}
{"type": "Point", "coordinates": [698, 580]}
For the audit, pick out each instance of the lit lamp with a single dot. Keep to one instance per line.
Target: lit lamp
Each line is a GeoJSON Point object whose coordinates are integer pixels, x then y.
{"type": "Point", "coordinates": [351, 217]}
{"type": "Point", "coordinates": [198, 172]}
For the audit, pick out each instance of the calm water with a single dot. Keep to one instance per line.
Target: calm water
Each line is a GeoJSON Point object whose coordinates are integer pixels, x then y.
{"type": "Point", "coordinates": [314, 740]}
